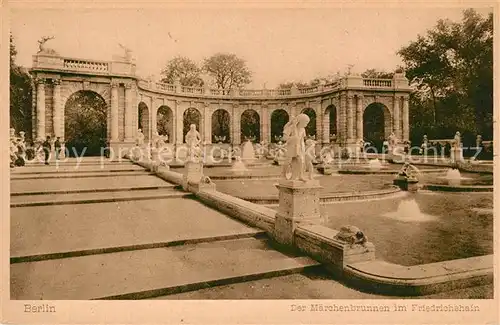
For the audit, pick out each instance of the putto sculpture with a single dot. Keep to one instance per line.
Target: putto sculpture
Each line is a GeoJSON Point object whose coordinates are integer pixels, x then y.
{"type": "Point", "coordinates": [294, 133]}
{"type": "Point", "coordinates": [41, 44]}
{"type": "Point", "coordinates": [140, 138]}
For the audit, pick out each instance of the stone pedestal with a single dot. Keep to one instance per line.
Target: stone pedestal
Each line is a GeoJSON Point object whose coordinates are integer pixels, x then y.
{"type": "Point", "coordinates": [456, 155]}
{"type": "Point", "coordinates": [194, 173]}
{"type": "Point", "coordinates": [298, 203]}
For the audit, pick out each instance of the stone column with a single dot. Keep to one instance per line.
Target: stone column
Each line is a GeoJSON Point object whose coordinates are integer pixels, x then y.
{"type": "Point", "coordinates": [40, 109]}
{"type": "Point", "coordinates": [154, 114]}
{"type": "Point", "coordinates": [342, 130]}
{"type": "Point", "coordinates": [350, 119]}
{"type": "Point", "coordinates": [236, 125]}
{"type": "Point", "coordinates": [57, 120]}
{"type": "Point", "coordinates": [179, 123]}
{"type": "Point", "coordinates": [319, 122]}
{"type": "Point", "coordinates": [129, 134]}
{"type": "Point", "coordinates": [114, 111]}
{"type": "Point", "coordinates": [264, 123]}
{"type": "Point", "coordinates": [208, 125]}
{"type": "Point", "coordinates": [396, 120]}
{"type": "Point", "coordinates": [406, 119]}
{"type": "Point", "coordinates": [359, 117]}
{"type": "Point", "coordinates": [325, 118]}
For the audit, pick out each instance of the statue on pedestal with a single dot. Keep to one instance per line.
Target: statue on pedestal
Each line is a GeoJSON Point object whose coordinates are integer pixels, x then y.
{"type": "Point", "coordinates": [193, 140]}
{"type": "Point", "coordinates": [140, 138]}
{"type": "Point", "coordinates": [294, 133]}
{"type": "Point", "coordinates": [393, 141]}
{"type": "Point", "coordinates": [457, 140]}
{"type": "Point", "coordinates": [479, 141]}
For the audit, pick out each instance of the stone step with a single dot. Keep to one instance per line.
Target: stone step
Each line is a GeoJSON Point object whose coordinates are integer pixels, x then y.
{"type": "Point", "coordinates": [34, 176]}
{"type": "Point", "coordinates": [56, 229]}
{"type": "Point", "coordinates": [93, 197]}
{"type": "Point", "coordinates": [106, 250]}
{"type": "Point", "coordinates": [55, 170]}
{"type": "Point", "coordinates": [95, 190]}
{"type": "Point", "coordinates": [152, 272]}
{"type": "Point", "coordinates": [88, 183]}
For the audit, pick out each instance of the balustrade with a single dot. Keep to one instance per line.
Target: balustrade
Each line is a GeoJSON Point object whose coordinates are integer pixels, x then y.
{"type": "Point", "coordinates": [86, 65]}
{"type": "Point", "coordinates": [377, 83]}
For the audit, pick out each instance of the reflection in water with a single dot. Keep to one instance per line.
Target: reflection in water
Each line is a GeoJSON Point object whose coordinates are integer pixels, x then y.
{"type": "Point", "coordinates": [409, 211]}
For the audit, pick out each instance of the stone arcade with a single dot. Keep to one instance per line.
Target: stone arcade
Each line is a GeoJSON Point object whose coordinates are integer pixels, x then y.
{"type": "Point", "coordinates": [339, 109]}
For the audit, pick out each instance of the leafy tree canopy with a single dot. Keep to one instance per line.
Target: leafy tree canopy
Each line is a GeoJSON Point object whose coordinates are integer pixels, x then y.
{"type": "Point", "coordinates": [227, 71]}
{"type": "Point", "coordinates": [185, 70]}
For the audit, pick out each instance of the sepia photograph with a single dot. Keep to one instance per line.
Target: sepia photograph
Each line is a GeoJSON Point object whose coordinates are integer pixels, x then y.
{"type": "Point", "coordinates": [339, 159]}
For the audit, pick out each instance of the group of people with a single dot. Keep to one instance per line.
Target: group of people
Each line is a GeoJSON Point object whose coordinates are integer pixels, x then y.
{"type": "Point", "coordinates": [22, 150]}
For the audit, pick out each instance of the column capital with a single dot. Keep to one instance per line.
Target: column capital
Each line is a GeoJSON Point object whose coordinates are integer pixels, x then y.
{"type": "Point", "coordinates": [206, 104]}
{"type": "Point", "coordinates": [360, 96]}
{"type": "Point", "coordinates": [177, 103]}
{"type": "Point", "coordinates": [235, 105]}
{"type": "Point", "coordinates": [128, 85]}
{"type": "Point", "coordinates": [40, 81]}
{"type": "Point", "coordinates": [350, 96]}
{"type": "Point", "coordinates": [114, 84]}
{"type": "Point", "coordinates": [406, 98]}
{"type": "Point", "coordinates": [56, 82]}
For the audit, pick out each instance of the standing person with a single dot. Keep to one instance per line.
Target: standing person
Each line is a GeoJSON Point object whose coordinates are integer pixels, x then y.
{"type": "Point", "coordinates": [47, 147]}
{"type": "Point", "coordinates": [57, 146]}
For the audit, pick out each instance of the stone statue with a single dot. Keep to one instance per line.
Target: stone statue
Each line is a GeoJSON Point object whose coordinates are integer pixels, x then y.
{"type": "Point", "coordinates": [407, 171]}
{"type": "Point", "coordinates": [193, 140]}
{"type": "Point", "coordinates": [310, 156]}
{"type": "Point", "coordinates": [479, 141]}
{"type": "Point", "coordinates": [128, 55]}
{"type": "Point", "coordinates": [41, 43]}
{"type": "Point", "coordinates": [352, 235]}
{"type": "Point", "coordinates": [457, 140]}
{"type": "Point", "coordinates": [392, 141]}
{"type": "Point", "coordinates": [294, 133]}
{"type": "Point", "coordinates": [140, 138]}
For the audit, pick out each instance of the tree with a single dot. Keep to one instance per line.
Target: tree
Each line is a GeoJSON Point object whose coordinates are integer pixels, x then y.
{"type": "Point", "coordinates": [452, 70]}
{"type": "Point", "coordinates": [228, 71]}
{"type": "Point", "coordinates": [183, 68]}
{"type": "Point", "coordinates": [20, 94]}
{"type": "Point", "coordinates": [376, 74]}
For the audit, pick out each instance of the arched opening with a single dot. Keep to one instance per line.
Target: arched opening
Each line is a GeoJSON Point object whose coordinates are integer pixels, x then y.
{"type": "Point", "coordinates": [250, 125]}
{"type": "Point", "coordinates": [221, 122]}
{"type": "Point", "coordinates": [85, 130]}
{"type": "Point", "coordinates": [331, 112]}
{"type": "Point", "coordinates": [311, 126]}
{"type": "Point", "coordinates": [278, 120]}
{"type": "Point", "coordinates": [191, 116]}
{"type": "Point", "coordinates": [376, 124]}
{"type": "Point", "coordinates": [143, 120]}
{"type": "Point", "coordinates": [165, 122]}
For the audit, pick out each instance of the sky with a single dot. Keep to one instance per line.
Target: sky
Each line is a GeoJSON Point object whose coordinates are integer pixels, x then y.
{"type": "Point", "coordinates": [278, 44]}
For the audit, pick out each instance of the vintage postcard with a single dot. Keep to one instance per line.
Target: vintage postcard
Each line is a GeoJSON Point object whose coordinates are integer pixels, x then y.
{"type": "Point", "coordinates": [249, 162]}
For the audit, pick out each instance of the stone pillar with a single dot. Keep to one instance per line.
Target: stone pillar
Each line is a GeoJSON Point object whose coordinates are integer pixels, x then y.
{"type": "Point", "coordinates": [359, 117]}
{"type": "Point", "coordinates": [236, 125]}
{"type": "Point", "coordinates": [342, 130]}
{"type": "Point", "coordinates": [114, 111]}
{"type": "Point", "coordinates": [57, 119]}
{"type": "Point", "coordinates": [319, 122]}
{"type": "Point", "coordinates": [325, 117]}
{"type": "Point", "coordinates": [298, 203]}
{"type": "Point", "coordinates": [40, 109]}
{"type": "Point", "coordinates": [350, 119]}
{"type": "Point", "coordinates": [264, 124]}
{"type": "Point", "coordinates": [179, 123]}
{"type": "Point", "coordinates": [396, 119]}
{"type": "Point", "coordinates": [129, 134]}
{"type": "Point", "coordinates": [208, 125]}
{"type": "Point", "coordinates": [154, 114]}
{"type": "Point", "coordinates": [406, 119]}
